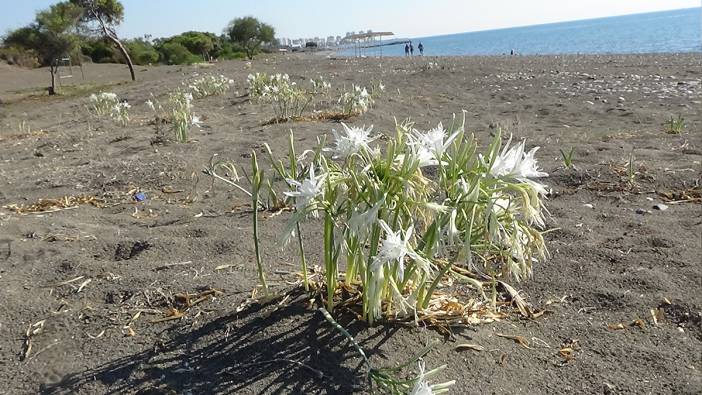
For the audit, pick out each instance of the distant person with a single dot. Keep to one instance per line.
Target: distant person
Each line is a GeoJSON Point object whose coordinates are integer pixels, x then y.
{"type": "Point", "coordinates": [420, 47]}
{"type": "Point", "coordinates": [511, 52]}
{"type": "Point", "coordinates": [411, 49]}
{"type": "Point", "coordinates": [407, 49]}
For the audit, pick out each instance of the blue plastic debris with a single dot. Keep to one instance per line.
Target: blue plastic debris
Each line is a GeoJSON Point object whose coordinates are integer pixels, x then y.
{"type": "Point", "coordinates": [139, 196]}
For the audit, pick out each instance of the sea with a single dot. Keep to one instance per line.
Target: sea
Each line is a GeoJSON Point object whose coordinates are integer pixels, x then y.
{"type": "Point", "coordinates": [659, 32]}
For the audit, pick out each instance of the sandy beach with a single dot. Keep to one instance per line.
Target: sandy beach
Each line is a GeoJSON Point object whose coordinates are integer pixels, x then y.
{"type": "Point", "coordinates": [71, 281]}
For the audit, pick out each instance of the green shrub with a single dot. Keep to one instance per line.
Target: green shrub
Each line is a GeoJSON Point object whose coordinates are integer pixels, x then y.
{"type": "Point", "coordinates": [99, 51]}
{"type": "Point", "coordinates": [175, 53]}
{"type": "Point", "coordinates": [20, 57]}
{"type": "Point", "coordinates": [24, 37]}
{"type": "Point", "coordinates": [142, 52]}
{"type": "Point", "coordinates": [232, 55]}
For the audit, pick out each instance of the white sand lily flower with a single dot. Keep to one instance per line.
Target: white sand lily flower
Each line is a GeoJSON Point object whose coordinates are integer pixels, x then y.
{"type": "Point", "coordinates": [108, 96]}
{"type": "Point", "coordinates": [195, 121]}
{"type": "Point", "coordinates": [150, 104]}
{"type": "Point", "coordinates": [421, 386]}
{"type": "Point", "coordinates": [419, 153]}
{"type": "Point", "coordinates": [516, 164]}
{"type": "Point", "coordinates": [434, 140]}
{"type": "Point", "coordinates": [307, 190]}
{"type": "Point", "coordinates": [360, 222]}
{"type": "Point", "coordinates": [353, 140]}
{"type": "Point", "coordinates": [395, 248]}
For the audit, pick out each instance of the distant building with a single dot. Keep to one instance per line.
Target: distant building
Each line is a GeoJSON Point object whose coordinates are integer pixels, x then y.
{"type": "Point", "coordinates": [320, 42]}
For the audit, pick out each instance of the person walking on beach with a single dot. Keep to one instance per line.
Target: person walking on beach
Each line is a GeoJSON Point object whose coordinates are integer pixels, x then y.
{"type": "Point", "coordinates": [411, 49]}
{"type": "Point", "coordinates": [406, 49]}
{"type": "Point", "coordinates": [420, 47]}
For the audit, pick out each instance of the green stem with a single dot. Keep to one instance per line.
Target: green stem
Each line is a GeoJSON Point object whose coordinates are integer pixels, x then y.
{"type": "Point", "coordinates": [434, 284]}
{"type": "Point", "coordinates": [346, 334]}
{"type": "Point", "coordinates": [302, 258]}
{"type": "Point", "coordinates": [254, 204]}
{"type": "Point", "coordinates": [329, 259]}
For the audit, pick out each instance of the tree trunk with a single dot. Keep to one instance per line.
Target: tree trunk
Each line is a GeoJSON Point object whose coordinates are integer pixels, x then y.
{"type": "Point", "coordinates": [113, 37]}
{"type": "Point", "coordinates": [124, 53]}
{"type": "Point", "coordinates": [52, 88]}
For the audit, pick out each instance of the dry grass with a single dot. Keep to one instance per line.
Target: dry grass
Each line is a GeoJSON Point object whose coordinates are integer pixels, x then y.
{"type": "Point", "coordinates": [22, 136]}
{"type": "Point", "coordinates": [53, 205]}
{"type": "Point", "coordinates": [319, 116]}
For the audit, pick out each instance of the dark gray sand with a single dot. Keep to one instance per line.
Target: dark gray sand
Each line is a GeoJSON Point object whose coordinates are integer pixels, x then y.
{"type": "Point", "coordinates": [614, 257]}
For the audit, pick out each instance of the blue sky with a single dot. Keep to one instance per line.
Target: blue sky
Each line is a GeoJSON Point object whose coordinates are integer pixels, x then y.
{"type": "Point", "coordinates": [308, 18]}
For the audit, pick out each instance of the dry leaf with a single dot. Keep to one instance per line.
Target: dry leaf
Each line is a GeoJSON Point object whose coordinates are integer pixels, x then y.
{"type": "Point", "coordinates": [467, 346]}
{"type": "Point", "coordinates": [169, 189]}
{"type": "Point", "coordinates": [519, 339]}
{"type": "Point", "coordinates": [566, 353]}
{"type": "Point", "coordinates": [657, 315]}
{"type": "Point", "coordinates": [638, 322]}
{"type": "Point", "coordinates": [616, 327]}
{"type": "Point", "coordinates": [517, 299]}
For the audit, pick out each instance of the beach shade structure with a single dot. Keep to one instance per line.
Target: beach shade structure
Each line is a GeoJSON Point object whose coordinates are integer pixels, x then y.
{"type": "Point", "coordinates": [362, 42]}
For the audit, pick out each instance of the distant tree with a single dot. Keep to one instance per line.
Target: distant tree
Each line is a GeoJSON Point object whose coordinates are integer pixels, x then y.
{"type": "Point", "coordinates": [55, 30]}
{"type": "Point", "coordinates": [198, 43]}
{"type": "Point", "coordinates": [250, 33]}
{"type": "Point", "coordinates": [142, 51]}
{"type": "Point", "coordinates": [24, 37]}
{"type": "Point", "coordinates": [176, 53]}
{"type": "Point", "coordinates": [103, 16]}
{"type": "Point", "coordinates": [99, 50]}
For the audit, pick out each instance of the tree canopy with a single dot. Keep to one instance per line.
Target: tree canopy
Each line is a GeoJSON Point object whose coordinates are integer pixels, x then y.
{"type": "Point", "coordinates": [250, 33]}
{"type": "Point", "coordinates": [89, 26]}
{"type": "Point", "coordinates": [54, 32]}
{"type": "Point", "coordinates": [102, 16]}
{"type": "Point", "coordinates": [109, 12]}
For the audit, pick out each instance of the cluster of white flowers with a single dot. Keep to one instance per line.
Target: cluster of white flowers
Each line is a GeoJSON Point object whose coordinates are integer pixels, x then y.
{"type": "Point", "coordinates": [356, 101]}
{"type": "Point", "coordinates": [320, 86]}
{"type": "Point", "coordinates": [517, 164]}
{"type": "Point", "coordinates": [181, 114]}
{"type": "Point", "coordinates": [210, 85]}
{"type": "Point", "coordinates": [307, 191]}
{"type": "Point", "coordinates": [108, 104]}
{"type": "Point", "coordinates": [352, 141]}
{"type": "Point", "coordinates": [257, 84]}
{"type": "Point", "coordinates": [376, 89]}
{"type": "Point", "coordinates": [287, 98]}
{"type": "Point", "coordinates": [428, 148]}
{"type": "Point", "coordinates": [490, 207]}
{"type": "Point", "coordinates": [273, 88]}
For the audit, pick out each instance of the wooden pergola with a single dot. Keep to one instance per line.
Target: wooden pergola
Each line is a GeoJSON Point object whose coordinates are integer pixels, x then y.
{"type": "Point", "coordinates": [363, 41]}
